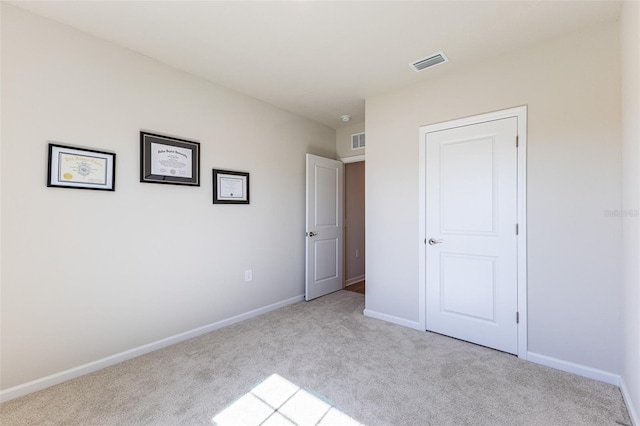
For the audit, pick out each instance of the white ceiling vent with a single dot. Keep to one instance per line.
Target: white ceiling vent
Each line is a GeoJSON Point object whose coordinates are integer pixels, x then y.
{"type": "Point", "coordinates": [431, 61]}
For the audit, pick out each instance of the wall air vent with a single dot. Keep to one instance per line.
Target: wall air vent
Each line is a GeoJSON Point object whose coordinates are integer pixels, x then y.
{"type": "Point", "coordinates": [431, 61]}
{"type": "Point", "coordinates": [357, 141]}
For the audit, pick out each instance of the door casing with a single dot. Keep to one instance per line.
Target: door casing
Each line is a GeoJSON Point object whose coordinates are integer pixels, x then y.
{"type": "Point", "coordinates": [521, 114]}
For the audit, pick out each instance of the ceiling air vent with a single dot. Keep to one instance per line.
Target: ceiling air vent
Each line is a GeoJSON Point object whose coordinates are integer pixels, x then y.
{"type": "Point", "coordinates": [431, 61]}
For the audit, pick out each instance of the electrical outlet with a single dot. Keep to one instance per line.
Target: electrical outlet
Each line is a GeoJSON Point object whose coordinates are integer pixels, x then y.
{"type": "Point", "coordinates": [248, 275]}
{"type": "Point", "coordinates": [357, 253]}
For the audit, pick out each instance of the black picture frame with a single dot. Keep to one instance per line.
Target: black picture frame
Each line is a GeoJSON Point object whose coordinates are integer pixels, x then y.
{"type": "Point", "coordinates": [169, 160]}
{"type": "Point", "coordinates": [81, 168]}
{"type": "Point", "coordinates": [230, 187]}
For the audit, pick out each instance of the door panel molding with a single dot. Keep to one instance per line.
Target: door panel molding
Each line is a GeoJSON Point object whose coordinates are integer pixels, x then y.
{"type": "Point", "coordinates": [520, 113]}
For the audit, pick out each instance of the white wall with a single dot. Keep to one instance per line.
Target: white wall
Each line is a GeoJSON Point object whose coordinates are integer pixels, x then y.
{"type": "Point", "coordinates": [630, 60]}
{"type": "Point", "coordinates": [343, 140]}
{"type": "Point", "coordinates": [87, 274]}
{"type": "Point", "coordinates": [574, 161]}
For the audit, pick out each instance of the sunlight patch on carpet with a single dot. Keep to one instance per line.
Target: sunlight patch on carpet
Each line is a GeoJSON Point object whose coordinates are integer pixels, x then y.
{"type": "Point", "coordinates": [276, 401]}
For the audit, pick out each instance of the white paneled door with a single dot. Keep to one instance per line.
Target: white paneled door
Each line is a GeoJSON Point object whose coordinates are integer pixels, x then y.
{"type": "Point", "coordinates": [324, 226]}
{"type": "Point", "coordinates": [471, 248]}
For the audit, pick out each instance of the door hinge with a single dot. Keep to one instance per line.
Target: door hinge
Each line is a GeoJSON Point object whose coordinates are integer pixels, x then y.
{"type": "Point", "coordinates": [517, 229]}
{"type": "Point", "coordinates": [517, 141]}
{"type": "Point", "coordinates": [517, 317]}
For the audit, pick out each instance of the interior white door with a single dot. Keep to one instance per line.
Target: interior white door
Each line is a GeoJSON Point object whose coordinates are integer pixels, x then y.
{"type": "Point", "coordinates": [471, 225]}
{"type": "Point", "coordinates": [324, 226]}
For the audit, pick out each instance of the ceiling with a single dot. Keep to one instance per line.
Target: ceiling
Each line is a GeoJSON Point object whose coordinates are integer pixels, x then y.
{"type": "Point", "coordinates": [321, 59]}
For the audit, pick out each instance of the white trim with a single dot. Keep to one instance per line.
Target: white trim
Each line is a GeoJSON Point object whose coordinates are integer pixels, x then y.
{"type": "Point", "coordinates": [521, 114]}
{"type": "Point", "coordinates": [395, 320]}
{"type": "Point", "coordinates": [354, 280]}
{"type": "Point", "coordinates": [572, 367]}
{"type": "Point", "coordinates": [631, 409]}
{"type": "Point", "coordinates": [352, 159]}
{"type": "Point", "coordinates": [72, 373]}
{"type": "Point", "coordinates": [422, 231]}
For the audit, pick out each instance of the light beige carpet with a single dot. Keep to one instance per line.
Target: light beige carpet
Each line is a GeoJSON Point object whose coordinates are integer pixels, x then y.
{"type": "Point", "coordinates": [376, 373]}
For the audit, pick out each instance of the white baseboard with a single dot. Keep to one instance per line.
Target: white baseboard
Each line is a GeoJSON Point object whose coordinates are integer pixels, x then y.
{"type": "Point", "coordinates": [579, 369]}
{"type": "Point", "coordinates": [72, 373]}
{"type": "Point", "coordinates": [353, 280]}
{"type": "Point", "coordinates": [628, 401]}
{"type": "Point", "coordinates": [390, 318]}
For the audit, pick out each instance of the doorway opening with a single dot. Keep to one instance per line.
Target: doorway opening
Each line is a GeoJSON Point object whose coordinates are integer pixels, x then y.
{"type": "Point", "coordinates": [354, 221]}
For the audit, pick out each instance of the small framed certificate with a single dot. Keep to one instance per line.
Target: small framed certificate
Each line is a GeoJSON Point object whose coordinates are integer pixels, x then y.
{"type": "Point", "coordinates": [71, 167]}
{"type": "Point", "coordinates": [164, 159]}
{"type": "Point", "coordinates": [230, 187]}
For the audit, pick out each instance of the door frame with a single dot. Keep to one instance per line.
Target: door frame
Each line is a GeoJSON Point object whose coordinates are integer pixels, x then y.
{"type": "Point", "coordinates": [520, 113]}
{"type": "Point", "coordinates": [353, 159]}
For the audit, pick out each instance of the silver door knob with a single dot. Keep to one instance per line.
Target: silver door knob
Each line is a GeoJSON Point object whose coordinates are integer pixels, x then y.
{"type": "Point", "coordinates": [434, 242]}
{"type": "Point", "coordinates": [313, 234]}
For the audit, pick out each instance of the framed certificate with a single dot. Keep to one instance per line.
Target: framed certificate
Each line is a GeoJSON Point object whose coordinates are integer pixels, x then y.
{"type": "Point", "coordinates": [164, 159]}
{"type": "Point", "coordinates": [71, 167]}
{"type": "Point", "coordinates": [230, 187]}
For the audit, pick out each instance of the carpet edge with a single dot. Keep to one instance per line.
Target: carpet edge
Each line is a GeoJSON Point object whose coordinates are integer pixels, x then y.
{"type": "Point", "coordinates": [572, 367]}
{"type": "Point", "coordinates": [90, 367]}
{"type": "Point", "coordinates": [631, 409]}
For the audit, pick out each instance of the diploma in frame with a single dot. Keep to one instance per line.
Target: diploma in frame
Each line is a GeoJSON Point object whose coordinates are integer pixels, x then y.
{"type": "Point", "coordinates": [164, 159]}
{"type": "Point", "coordinates": [230, 187]}
{"type": "Point", "coordinates": [71, 167]}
